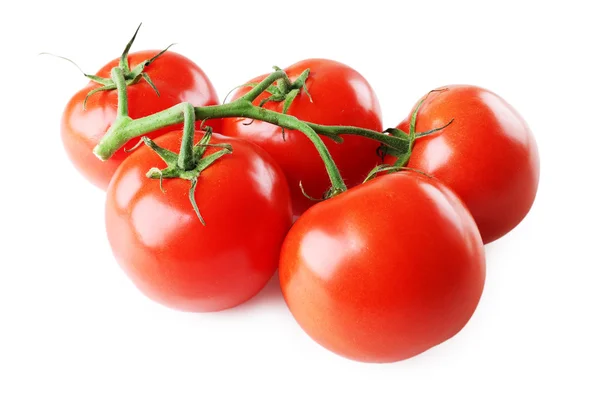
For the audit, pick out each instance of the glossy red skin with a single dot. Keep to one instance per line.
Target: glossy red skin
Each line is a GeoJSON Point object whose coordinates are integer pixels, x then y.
{"type": "Point", "coordinates": [177, 79]}
{"type": "Point", "coordinates": [385, 270]}
{"type": "Point", "coordinates": [341, 96]}
{"type": "Point", "coordinates": [488, 155]}
{"type": "Point", "coordinates": [160, 243]}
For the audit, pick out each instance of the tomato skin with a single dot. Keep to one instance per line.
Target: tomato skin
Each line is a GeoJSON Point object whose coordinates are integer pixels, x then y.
{"type": "Point", "coordinates": [385, 270]}
{"type": "Point", "coordinates": [341, 96]}
{"type": "Point", "coordinates": [171, 257]}
{"type": "Point", "coordinates": [177, 79]}
{"type": "Point", "coordinates": [487, 156]}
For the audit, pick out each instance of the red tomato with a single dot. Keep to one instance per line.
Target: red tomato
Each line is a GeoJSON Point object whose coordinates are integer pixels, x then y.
{"type": "Point", "coordinates": [341, 96]}
{"type": "Point", "coordinates": [171, 257]}
{"type": "Point", "coordinates": [385, 270]}
{"type": "Point", "coordinates": [177, 79]}
{"type": "Point", "coordinates": [488, 155]}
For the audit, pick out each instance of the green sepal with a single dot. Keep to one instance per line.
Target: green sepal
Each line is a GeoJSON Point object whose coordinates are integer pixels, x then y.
{"type": "Point", "coordinates": [167, 156]}
{"type": "Point", "coordinates": [96, 90]}
{"type": "Point", "coordinates": [146, 77]}
{"type": "Point", "coordinates": [100, 80]}
{"type": "Point", "coordinates": [434, 130]}
{"type": "Point", "coordinates": [391, 169]}
{"type": "Point", "coordinates": [157, 55]}
{"type": "Point", "coordinates": [237, 87]}
{"type": "Point", "coordinates": [403, 158]}
{"type": "Point", "coordinates": [123, 63]}
{"type": "Point", "coordinates": [289, 98]}
{"type": "Point", "coordinates": [135, 147]}
{"type": "Point", "coordinates": [205, 162]}
{"type": "Point", "coordinates": [412, 125]}
{"type": "Point", "coordinates": [169, 172]}
{"type": "Point", "coordinates": [193, 176]}
{"type": "Point", "coordinates": [192, 195]}
{"type": "Point", "coordinates": [200, 148]}
{"type": "Point", "coordinates": [301, 82]}
{"type": "Point", "coordinates": [156, 172]}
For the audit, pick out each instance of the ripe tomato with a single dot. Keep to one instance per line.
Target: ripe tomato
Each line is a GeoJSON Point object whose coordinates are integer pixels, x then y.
{"type": "Point", "coordinates": [177, 79]}
{"type": "Point", "coordinates": [171, 257]}
{"type": "Point", "coordinates": [384, 271]}
{"type": "Point", "coordinates": [340, 96]}
{"type": "Point", "coordinates": [488, 155]}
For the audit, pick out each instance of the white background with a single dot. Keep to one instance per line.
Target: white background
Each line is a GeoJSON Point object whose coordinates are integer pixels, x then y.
{"type": "Point", "coordinates": [76, 335]}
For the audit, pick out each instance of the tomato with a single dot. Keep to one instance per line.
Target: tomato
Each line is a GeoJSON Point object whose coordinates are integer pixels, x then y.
{"type": "Point", "coordinates": [488, 155]}
{"type": "Point", "coordinates": [384, 271]}
{"type": "Point", "coordinates": [171, 257]}
{"type": "Point", "coordinates": [177, 79]}
{"type": "Point", "coordinates": [340, 96]}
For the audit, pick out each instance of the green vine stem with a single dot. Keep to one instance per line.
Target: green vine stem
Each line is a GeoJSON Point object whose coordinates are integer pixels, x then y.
{"type": "Point", "coordinates": [118, 77]}
{"type": "Point", "coordinates": [125, 128]}
{"type": "Point", "coordinates": [186, 157]}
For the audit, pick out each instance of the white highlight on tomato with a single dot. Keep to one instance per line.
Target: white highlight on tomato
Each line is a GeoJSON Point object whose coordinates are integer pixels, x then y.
{"type": "Point", "coordinates": [263, 177]}
{"type": "Point", "coordinates": [165, 221]}
{"type": "Point", "coordinates": [323, 252]}
{"type": "Point", "coordinates": [130, 185]}
{"type": "Point", "coordinates": [436, 154]}
{"type": "Point", "coordinates": [507, 117]}
{"type": "Point", "coordinates": [364, 95]}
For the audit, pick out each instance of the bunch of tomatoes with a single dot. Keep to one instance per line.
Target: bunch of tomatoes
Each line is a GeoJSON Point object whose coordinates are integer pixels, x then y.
{"type": "Point", "coordinates": [378, 273]}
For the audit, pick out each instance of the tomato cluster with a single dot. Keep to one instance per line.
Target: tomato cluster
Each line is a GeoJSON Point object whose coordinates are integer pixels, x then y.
{"type": "Point", "coordinates": [378, 273]}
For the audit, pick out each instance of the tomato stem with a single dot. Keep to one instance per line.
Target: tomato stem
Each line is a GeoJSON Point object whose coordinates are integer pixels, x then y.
{"type": "Point", "coordinates": [292, 123]}
{"type": "Point", "coordinates": [391, 169]}
{"type": "Point", "coordinates": [118, 77]}
{"type": "Point", "coordinates": [125, 128]}
{"type": "Point", "coordinates": [186, 159]}
{"type": "Point", "coordinates": [399, 141]}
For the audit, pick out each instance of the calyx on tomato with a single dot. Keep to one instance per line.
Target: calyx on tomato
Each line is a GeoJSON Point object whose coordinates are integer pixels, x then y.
{"type": "Point", "coordinates": [132, 76]}
{"type": "Point", "coordinates": [402, 157]}
{"type": "Point", "coordinates": [190, 161]}
{"type": "Point", "coordinates": [286, 91]}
